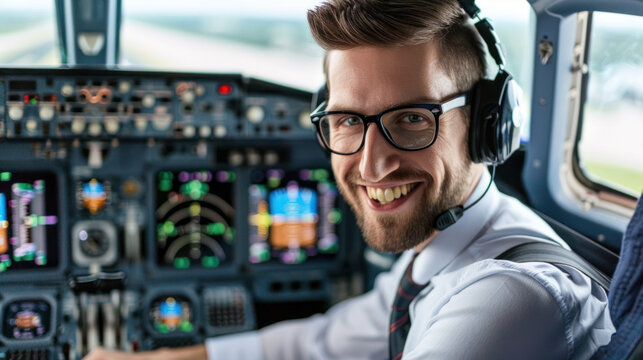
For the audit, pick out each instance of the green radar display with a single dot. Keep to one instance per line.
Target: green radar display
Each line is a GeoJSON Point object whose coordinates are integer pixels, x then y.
{"type": "Point", "coordinates": [194, 218]}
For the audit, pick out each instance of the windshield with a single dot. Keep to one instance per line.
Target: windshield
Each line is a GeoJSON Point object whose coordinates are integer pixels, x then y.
{"type": "Point", "coordinates": [267, 40]}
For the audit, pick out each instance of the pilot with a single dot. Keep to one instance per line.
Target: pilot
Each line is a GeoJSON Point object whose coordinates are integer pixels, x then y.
{"type": "Point", "coordinates": [402, 63]}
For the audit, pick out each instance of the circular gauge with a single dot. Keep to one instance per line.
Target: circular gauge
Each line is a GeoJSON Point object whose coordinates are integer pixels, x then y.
{"type": "Point", "coordinates": [195, 218]}
{"type": "Point", "coordinates": [172, 315]}
{"type": "Point", "coordinates": [26, 319]}
{"type": "Point", "coordinates": [93, 242]}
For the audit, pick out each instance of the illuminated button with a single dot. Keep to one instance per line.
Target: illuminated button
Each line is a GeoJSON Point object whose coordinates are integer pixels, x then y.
{"type": "Point", "coordinates": [200, 90]}
{"type": "Point", "coordinates": [15, 112]}
{"type": "Point", "coordinates": [255, 114]}
{"type": "Point", "coordinates": [31, 125]}
{"type": "Point", "coordinates": [189, 131]}
{"type": "Point", "coordinates": [220, 131]}
{"type": "Point", "coordinates": [140, 122]}
{"type": "Point", "coordinates": [235, 158]}
{"type": "Point", "coordinates": [149, 100]}
{"type": "Point", "coordinates": [304, 120]}
{"type": "Point", "coordinates": [124, 86]}
{"type": "Point", "coordinates": [161, 122]}
{"type": "Point", "coordinates": [205, 131]}
{"type": "Point", "coordinates": [111, 124]}
{"type": "Point", "coordinates": [67, 90]}
{"type": "Point", "coordinates": [94, 129]}
{"type": "Point", "coordinates": [271, 158]}
{"type": "Point", "coordinates": [46, 113]}
{"type": "Point", "coordinates": [78, 125]}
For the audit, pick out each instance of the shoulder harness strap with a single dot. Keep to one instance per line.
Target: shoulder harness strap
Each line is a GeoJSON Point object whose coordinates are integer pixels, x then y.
{"type": "Point", "coordinates": [555, 255]}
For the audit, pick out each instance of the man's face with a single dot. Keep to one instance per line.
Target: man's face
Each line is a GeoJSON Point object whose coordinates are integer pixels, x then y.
{"type": "Point", "coordinates": [369, 80]}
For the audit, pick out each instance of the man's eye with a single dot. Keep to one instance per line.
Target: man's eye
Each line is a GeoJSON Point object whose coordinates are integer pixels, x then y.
{"type": "Point", "coordinates": [351, 121]}
{"type": "Point", "coordinates": [413, 118]}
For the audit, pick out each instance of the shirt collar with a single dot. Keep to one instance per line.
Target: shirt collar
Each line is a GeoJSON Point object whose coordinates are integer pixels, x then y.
{"type": "Point", "coordinates": [453, 240]}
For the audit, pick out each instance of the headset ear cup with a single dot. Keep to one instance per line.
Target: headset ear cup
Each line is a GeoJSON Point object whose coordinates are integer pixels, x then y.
{"type": "Point", "coordinates": [474, 124]}
{"type": "Point", "coordinates": [494, 129]}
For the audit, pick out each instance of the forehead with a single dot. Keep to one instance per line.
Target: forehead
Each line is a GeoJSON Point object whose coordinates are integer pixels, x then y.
{"type": "Point", "coordinates": [372, 79]}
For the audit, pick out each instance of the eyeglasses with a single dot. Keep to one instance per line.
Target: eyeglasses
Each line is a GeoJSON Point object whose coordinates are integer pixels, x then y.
{"type": "Point", "coordinates": [410, 127]}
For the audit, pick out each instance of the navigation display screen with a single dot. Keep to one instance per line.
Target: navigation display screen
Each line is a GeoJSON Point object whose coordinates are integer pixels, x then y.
{"type": "Point", "coordinates": [26, 319]}
{"type": "Point", "coordinates": [293, 216]}
{"type": "Point", "coordinates": [195, 218]}
{"type": "Point", "coordinates": [28, 220]}
{"type": "Point", "coordinates": [172, 314]}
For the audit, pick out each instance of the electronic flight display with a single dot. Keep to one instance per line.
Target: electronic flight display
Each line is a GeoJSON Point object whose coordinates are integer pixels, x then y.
{"type": "Point", "coordinates": [293, 216]}
{"type": "Point", "coordinates": [26, 319]}
{"type": "Point", "coordinates": [195, 218]}
{"type": "Point", "coordinates": [172, 314]}
{"type": "Point", "coordinates": [28, 220]}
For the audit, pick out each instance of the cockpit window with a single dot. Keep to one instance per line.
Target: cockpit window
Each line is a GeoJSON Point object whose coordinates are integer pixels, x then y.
{"type": "Point", "coordinates": [28, 34]}
{"type": "Point", "coordinates": [265, 39]}
{"type": "Point", "coordinates": [609, 148]}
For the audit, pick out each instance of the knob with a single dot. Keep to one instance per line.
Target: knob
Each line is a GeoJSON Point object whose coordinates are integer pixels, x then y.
{"type": "Point", "coordinates": [255, 114]}
{"type": "Point", "coordinates": [67, 90]}
{"type": "Point", "coordinates": [253, 157]}
{"type": "Point", "coordinates": [15, 112]}
{"type": "Point", "coordinates": [78, 125]}
{"type": "Point", "coordinates": [140, 122]}
{"type": "Point", "coordinates": [220, 131]}
{"type": "Point", "coordinates": [235, 158]}
{"type": "Point", "coordinates": [94, 129]}
{"type": "Point", "coordinates": [161, 122]}
{"type": "Point", "coordinates": [271, 158]}
{"type": "Point", "coordinates": [205, 131]}
{"type": "Point", "coordinates": [111, 124]}
{"type": "Point", "coordinates": [124, 86]}
{"type": "Point", "coordinates": [31, 125]}
{"type": "Point", "coordinates": [149, 100]}
{"type": "Point", "coordinates": [46, 113]}
{"type": "Point", "coordinates": [189, 131]}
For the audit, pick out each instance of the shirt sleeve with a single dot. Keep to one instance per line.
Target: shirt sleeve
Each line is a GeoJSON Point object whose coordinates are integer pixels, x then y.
{"type": "Point", "coordinates": [238, 346]}
{"type": "Point", "coordinates": [353, 329]}
{"type": "Point", "coordinates": [503, 316]}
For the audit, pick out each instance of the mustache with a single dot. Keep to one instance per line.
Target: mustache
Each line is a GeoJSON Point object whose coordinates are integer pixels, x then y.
{"type": "Point", "coordinates": [353, 177]}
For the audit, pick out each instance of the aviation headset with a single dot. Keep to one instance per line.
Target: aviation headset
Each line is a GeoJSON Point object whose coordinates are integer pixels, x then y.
{"type": "Point", "coordinates": [496, 117]}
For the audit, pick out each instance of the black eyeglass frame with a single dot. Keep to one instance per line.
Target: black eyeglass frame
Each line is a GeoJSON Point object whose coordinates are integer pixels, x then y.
{"type": "Point", "coordinates": [435, 109]}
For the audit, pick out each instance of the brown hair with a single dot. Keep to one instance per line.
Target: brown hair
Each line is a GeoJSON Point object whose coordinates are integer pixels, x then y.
{"type": "Point", "coordinates": [344, 24]}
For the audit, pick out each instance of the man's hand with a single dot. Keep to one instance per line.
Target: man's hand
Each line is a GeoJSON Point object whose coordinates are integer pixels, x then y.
{"type": "Point", "coordinates": [187, 353]}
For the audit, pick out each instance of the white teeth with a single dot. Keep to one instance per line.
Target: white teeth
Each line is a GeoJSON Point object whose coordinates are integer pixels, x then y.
{"type": "Point", "coordinates": [380, 195]}
{"type": "Point", "coordinates": [388, 195]}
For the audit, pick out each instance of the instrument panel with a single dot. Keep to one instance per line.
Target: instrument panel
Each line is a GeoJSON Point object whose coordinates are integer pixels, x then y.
{"type": "Point", "coordinates": [146, 209]}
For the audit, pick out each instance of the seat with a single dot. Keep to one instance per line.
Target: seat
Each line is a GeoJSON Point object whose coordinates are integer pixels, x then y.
{"type": "Point", "coordinates": [626, 295]}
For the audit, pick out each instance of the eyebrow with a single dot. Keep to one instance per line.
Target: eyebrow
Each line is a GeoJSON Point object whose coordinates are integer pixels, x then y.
{"type": "Point", "coordinates": [420, 100]}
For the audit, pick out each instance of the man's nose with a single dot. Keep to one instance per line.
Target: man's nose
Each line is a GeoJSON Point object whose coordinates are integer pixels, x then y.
{"type": "Point", "coordinates": [379, 157]}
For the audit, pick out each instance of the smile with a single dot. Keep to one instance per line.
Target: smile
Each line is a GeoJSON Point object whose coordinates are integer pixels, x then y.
{"type": "Point", "coordinates": [387, 195]}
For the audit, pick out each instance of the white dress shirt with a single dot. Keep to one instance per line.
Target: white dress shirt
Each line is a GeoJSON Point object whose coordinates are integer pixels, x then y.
{"type": "Point", "coordinates": [476, 307]}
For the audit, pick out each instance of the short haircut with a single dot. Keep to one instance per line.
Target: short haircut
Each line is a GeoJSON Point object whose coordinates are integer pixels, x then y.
{"type": "Point", "coordinates": [345, 24]}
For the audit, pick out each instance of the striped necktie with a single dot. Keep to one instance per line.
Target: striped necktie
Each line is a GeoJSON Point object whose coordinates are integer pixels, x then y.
{"type": "Point", "coordinates": [400, 322]}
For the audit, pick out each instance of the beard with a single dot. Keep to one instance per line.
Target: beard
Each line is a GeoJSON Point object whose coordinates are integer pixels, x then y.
{"type": "Point", "coordinates": [395, 232]}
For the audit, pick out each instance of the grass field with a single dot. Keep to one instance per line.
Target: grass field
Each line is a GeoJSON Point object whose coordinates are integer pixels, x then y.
{"type": "Point", "coordinates": [631, 179]}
